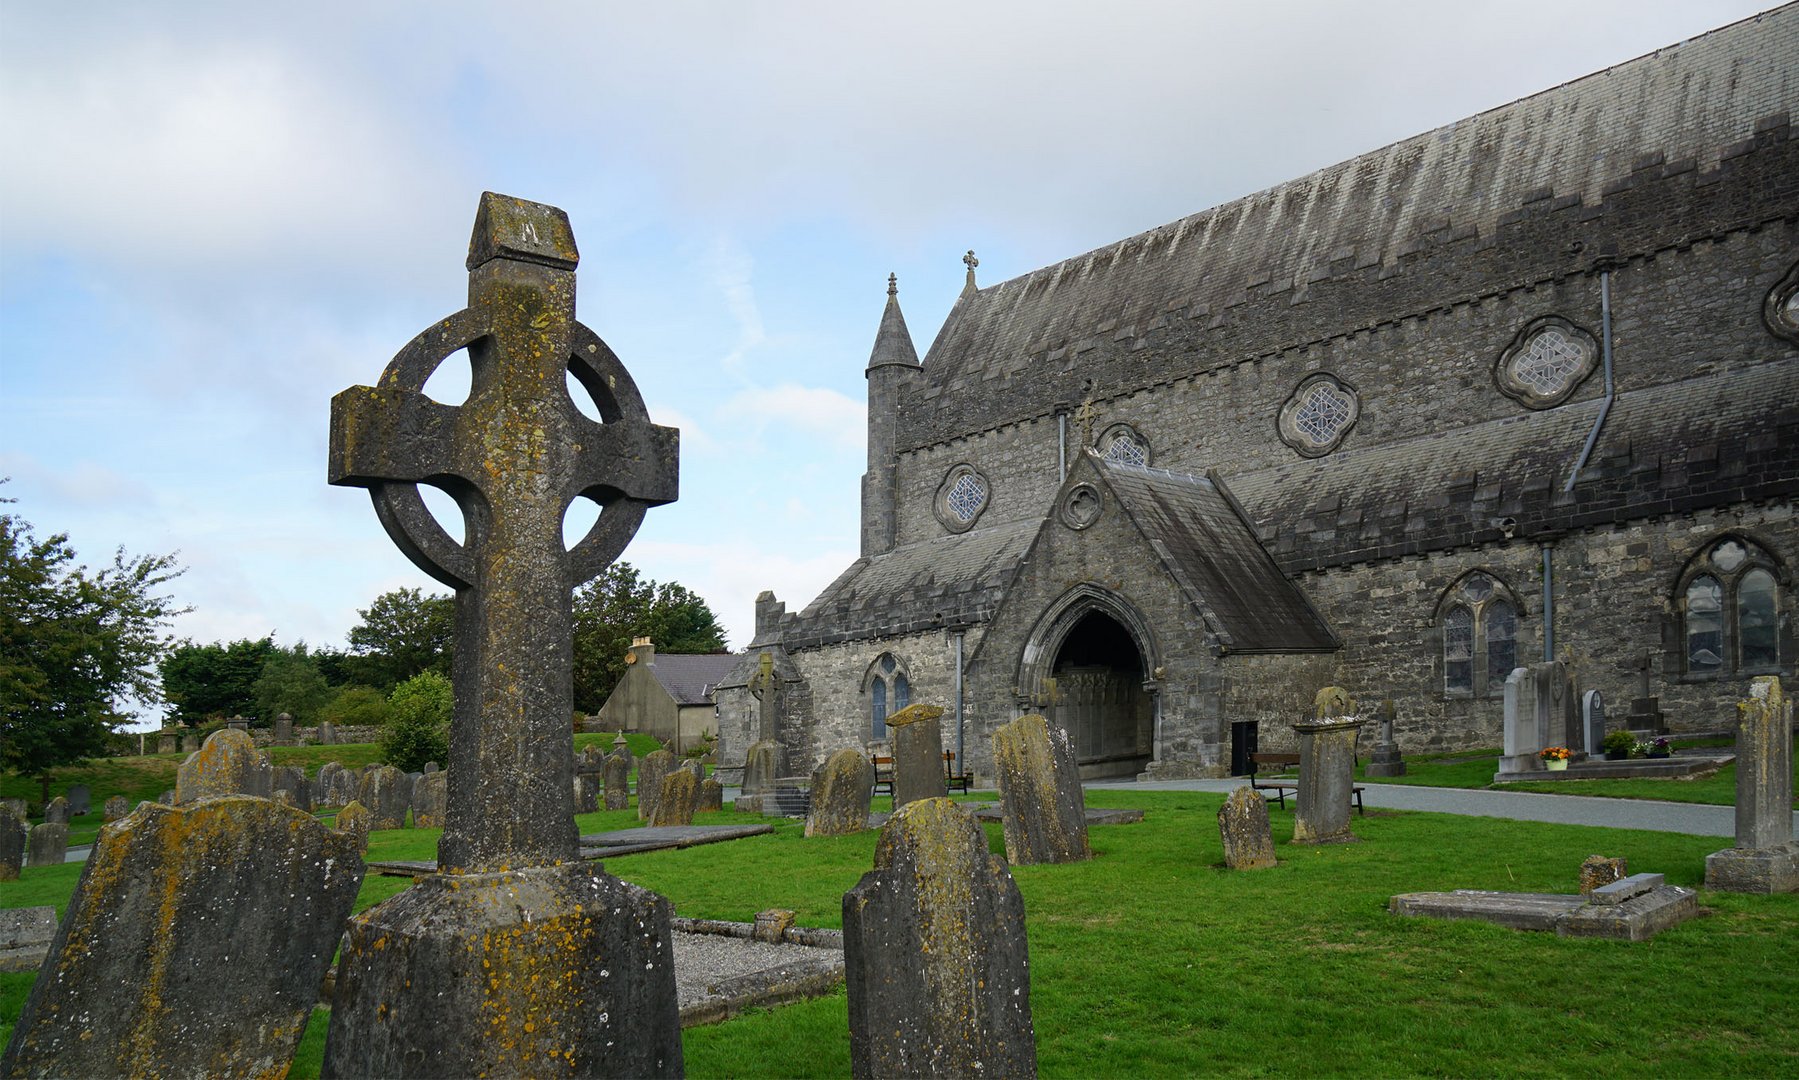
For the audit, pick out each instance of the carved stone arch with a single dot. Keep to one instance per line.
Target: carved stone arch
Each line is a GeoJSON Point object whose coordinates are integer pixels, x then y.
{"type": "Point", "coordinates": [875, 669]}
{"type": "Point", "coordinates": [1037, 661]}
{"type": "Point", "coordinates": [1760, 550]}
{"type": "Point", "coordinates": [1452, 594]}
{"type": "Point", "coordinates": [1733, 655]}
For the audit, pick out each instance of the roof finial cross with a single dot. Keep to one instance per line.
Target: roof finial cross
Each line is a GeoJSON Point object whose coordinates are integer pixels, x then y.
{"type": "Point", "coordinates": [892, 284]}
{"type": "Point", "coordinates": [1085, 415]}
{"type": "Point", "coordinates": [971, 262]}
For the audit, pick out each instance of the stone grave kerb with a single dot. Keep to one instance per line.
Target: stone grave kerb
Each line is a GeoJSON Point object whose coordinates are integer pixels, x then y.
{"type": "Point", "coordinates": [514, 456]}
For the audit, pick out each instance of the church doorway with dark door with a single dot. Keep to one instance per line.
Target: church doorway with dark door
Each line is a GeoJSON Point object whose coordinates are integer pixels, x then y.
{"type": "Point", "coordinates": [1100, 698]}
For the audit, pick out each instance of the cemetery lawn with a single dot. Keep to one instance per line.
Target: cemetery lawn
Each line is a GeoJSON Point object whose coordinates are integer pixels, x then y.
{"type": "Point", "coordinates": [1153, 960]}
{"type": "Point", "coordinates": [1474, 769]}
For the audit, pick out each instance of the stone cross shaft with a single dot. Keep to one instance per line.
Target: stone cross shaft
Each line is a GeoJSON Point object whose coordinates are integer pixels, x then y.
{"type": "Point", "coordinates": [514, 456]}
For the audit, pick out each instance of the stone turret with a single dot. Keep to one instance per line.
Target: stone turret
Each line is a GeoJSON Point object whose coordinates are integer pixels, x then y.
{"type": "Point", "coordinates": [891, 366]}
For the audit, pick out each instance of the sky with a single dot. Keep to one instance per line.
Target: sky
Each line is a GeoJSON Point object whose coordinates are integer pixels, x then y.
{"type": "Point", "coordinates": [214, 217]}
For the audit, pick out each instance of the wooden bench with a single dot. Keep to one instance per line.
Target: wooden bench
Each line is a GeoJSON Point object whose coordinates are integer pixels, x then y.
{"type": "Point", "coordinates": [883, 775]}
{"type": "Point", "coordinates": [951, 778]}
{"type": "Point", "coordinates": [1281, 763]}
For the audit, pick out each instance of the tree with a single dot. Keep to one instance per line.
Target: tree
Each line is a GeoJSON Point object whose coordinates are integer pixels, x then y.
{"type": "Point", "coordinates": [210, 682]}
{"type": "Point", "coordinates": [76, 647]}
{"type": "Point", "coordinates": [620, 604]}
{"type": "Point", "coordinates": [419, 728]}
{"type": "Point", "coordinates": [356, 706]}
{"type": "Point", "coordinates": [290, 683]}
{"type": "Point", "coordinates": [403, 633]}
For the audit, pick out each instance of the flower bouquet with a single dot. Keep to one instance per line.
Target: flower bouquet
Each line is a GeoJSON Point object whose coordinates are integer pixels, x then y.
{"type": "Point", "coordinates": [1555, 758]}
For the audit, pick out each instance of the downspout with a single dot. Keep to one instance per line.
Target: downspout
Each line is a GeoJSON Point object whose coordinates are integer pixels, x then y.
{"type": "Point", "coordinates": [1548, 602]}
{"type": "Point", "coordinates": [961, 762]}
{"type": "Point", "coordinates": [1605, 403]}
{"type": "Point", "coordinates": [1061, 447]}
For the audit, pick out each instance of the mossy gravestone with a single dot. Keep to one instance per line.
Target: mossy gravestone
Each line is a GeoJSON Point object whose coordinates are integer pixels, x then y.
{"type": "Point", "coordinates": [353, 820]}
{"type": "Point", "coordinates": [56, 811]}
{"type": "Point", "coordinates": [616, 774]}
{"type": "Point", "coordinates": [842, 789]}
{"type": "Point", "coordinates": [1765, 858]}
{"type": "Point", "coordinates": [228, 763]}
{"type": "Point", "coordinates": [193, 946]}
{"type": "Point", "coordinates": [711, 796]}
{"type": "Point", "coordinates": [430, 797]}
{"type": "Point", "coordinates": [917, 735]}
{"type": "Point", "coordinates": [1326, 771]}
{"type": "Point", "coordinates": [115, 808]}
{"type": "Point", "coordinates": [12, 843]}
{"type": "Point", "coordinates": [675, 798]}
{"type": "Point", "coordinates": [386, 794]}
{"type": "Point", "coordinates": [49, 844]}
{"type": "Point", "coordinates": [935, 954]}
{"type": "Point", "coordinates": [329, 785]}
{"type": "Point", "coordinates": [515, 958]}
{"type": "Point", "coordinates": [1044, 810]}
{"type": "Point", "coordinates": [650, 773]}
{"type": "Point", "coordinates": [1244, 830]}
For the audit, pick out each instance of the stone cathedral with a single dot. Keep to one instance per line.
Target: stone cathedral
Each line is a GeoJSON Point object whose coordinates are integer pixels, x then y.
{"type": "Point", "coordinates": [1522, 387]}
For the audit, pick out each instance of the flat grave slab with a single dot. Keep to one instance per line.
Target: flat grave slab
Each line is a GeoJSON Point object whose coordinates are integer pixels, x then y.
{"type": "Point", "coordinates": [1679, 765]}
{"type": "Point", "coordinates": [1634, 909]}
{"type": "Point", "coordinates": [1095, 815]}
{"type": "Point", "coordinates": [720, 970]}
{"type": "Point", "coordinates": [608, 844]}
{"type": "Point", "coordinates": [25, 936]}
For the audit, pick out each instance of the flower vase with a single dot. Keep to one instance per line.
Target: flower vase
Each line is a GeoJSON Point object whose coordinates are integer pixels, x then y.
{"type": "Point", "coordinates": [1556, 764]}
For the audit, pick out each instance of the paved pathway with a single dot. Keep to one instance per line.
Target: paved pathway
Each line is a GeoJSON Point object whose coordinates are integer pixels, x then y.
{"type": "Point", "coordinates": [1696, 819]}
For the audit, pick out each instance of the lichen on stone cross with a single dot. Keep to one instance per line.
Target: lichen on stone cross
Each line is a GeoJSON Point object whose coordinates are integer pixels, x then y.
{"type": "Point", "coordinates": [1333, 701]}
{"type": "Point", "coordinates": [764, 687]}
{"type": "Point", "coordinates": [514, 456]}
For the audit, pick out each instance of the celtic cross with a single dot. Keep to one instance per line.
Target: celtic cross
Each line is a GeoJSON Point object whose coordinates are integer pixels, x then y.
{"type": "Point", "coordinates": [514, 456]}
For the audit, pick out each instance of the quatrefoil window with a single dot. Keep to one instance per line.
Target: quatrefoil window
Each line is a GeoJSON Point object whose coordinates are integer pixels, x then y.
{"type": "Point", "coordinates": [1545, 362]}
{"type": "Point", "coordinates": [1781, 309]}
{"type": "Point", "coordinates": [961, 498]}
{"type": "Point", "coordinates": [1121, 443]}
{"type": "Point", "coordinates": [1318, 414]}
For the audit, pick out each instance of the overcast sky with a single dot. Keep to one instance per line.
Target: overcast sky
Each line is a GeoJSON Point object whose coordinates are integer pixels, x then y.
{"type": "Point", "coordinates": [213, 217]}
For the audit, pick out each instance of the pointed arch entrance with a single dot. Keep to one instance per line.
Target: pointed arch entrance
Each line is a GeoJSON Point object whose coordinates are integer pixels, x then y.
{"type": "Point", "coordinates": [1088, 667]}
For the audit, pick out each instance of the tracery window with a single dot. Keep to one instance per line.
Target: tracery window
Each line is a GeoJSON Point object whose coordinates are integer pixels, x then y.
{"type": "Point", "coordinates": [962, 497]}
{"type": "Point", "coordinates": [1318, 414]}
{"type": "Point", "coordinates": [1480, 637]}
{"type": "Point", "coordinates": [1121, 443]}
{"type": "Point", "coordinates": [1730, 611]}
{"type": "Point", "coordinates": [888, 692]}
{"type": "Point", "coordinates": [1544, 363]}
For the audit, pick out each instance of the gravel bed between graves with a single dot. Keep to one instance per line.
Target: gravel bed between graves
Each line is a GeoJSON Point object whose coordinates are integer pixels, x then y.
{"type": "Point", "coordinates": [718, 975]}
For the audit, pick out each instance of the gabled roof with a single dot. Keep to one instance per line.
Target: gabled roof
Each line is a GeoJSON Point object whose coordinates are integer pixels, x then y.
{"type": "Point", "coordinates": [1675, 448]}
{"type": "Point", "coordinates": [1209, 547]}
{"type": "Point", "coordinates": [690, 678]}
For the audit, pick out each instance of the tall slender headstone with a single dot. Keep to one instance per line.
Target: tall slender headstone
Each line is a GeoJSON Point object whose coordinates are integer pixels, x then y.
{"type": "Point", "coordinates": [430, 795]}
{"type": "Point", "coordinates": [1326, 771]}
{"type": "Point", "coordinates": [935, 954]}
{"type": "Point", "coordinates": [1765, 858]}
{"type": "Point", "coordinates": [193, 946]}
{"type": "Point", "coordinates": [1523, 733]}
{"type": "Point", "coordinates": [651, 771]}
{"type": "Point", "coordinates": [917, 735]}
{"type": "Point", "coordinates": [284, 730]}
{"type": "Point", "coordinates": [1592, 723]}
{"type": "Point", "coordinates": [577, 973]}
{"type": "Point", "coordinates": [1386, 759]}
{"type": "Point", "coordinates": [616, 776]}
{"type": "Point", "coordinates": [13, 833]}
{"type": "Point", "coordinates": [1040, 797]}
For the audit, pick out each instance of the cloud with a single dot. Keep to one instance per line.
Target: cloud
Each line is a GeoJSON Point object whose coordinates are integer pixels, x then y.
{"type": "Point", "coordinates": [732, 269]}
{"type": "Point", "coordinates": [807, 410]}
{"type": "Point", "coordinates": [729, 575]}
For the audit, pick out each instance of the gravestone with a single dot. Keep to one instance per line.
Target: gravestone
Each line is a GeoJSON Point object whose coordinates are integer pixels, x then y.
{"type": "Point", "coordinates": [167, 798]}
{"type": "Point", "coordinates": [1386, 759]}
{"type": "Point", "coordinates": [1321, 806]}
{"type": "Point", "coordinates": [766, 759]}
{"type": "Point", "coordinates": [116, 807]}
{"type": "Point", "coordinates": [48, 845]}
{"type": "Point", "coordinates": [622, 745]}
{"type": "Point", "coordinates": [675, 798]}
{"type": "Point", "coordinates": [292, 779]}
{"type": "Point", "coordinates": [1645, 708]}
{"type": "Point", "coordinates": [1045, 811]}
{"type": "Point", "coordinates": [693, 766]}
{"type": "Point", "coordinates": [430, 798]}
{"type": "Point", "coordinates": [238, 723]}
{"type": "Point", "coordinates": [385, 792]}
{"type": "Point", "coordinates": [431, 767]}
{"type": "Point", "coordinates": [354, 820]}
{"type": "Point", "coordinates": [585, 802]}
{"type": "Point", "coordinates": [935, 954]}
{"type": "Point", "coordinates": [327, 735]}
{"type": "Point", "coordinates": [917, 737]}
{"type": "Point", "coordinates": [284, 731]}
{"type": "Point", "coordinates": [1592, 723]}
{"type": "Point", "coordinates": [1765, 858]}
{"type": "Point", "coordinates": [168, 742]}
{"type": "Point", "coordinates": [81, 801]}
{"type": "Point", "coordinates": [842, 789]}
{"type": "Point", "coordinates": [711, 796]}
{"type": "Point", "coordinates": [578, 966]}
{"type": "Point", "coordinates": [617, 779]}
{"type": "Point", "coordinates": [13, 833]}
{"type": "Point", "coordinates": [1523, 731]}
{"type": "Point", "coordinates": [25, 937]}
{"type": "Point", "coordinates": [228, 763]}
{"type": "Point", "coordinates": [56, 811]}
{"type": "Point", "coordinates": [592, 757]}
{"type": "Point", "coordinates": [1598, 870]}
{"type": "Point", "coordinates": [329, 787]}
{"type": "Point", "coordinates": [650, 773]}
{"type": "Point", "coordinates": [284, 797]}
{"type": "Point", "coordinates": [194, 945]}
{"type": "Point", "coordinates": [21, 809]}
{"type": "Point", "coordinates": [1243, 827]}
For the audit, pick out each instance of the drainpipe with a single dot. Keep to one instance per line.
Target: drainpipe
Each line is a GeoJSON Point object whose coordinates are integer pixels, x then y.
{"type": "Point", "coordinates": [1548, 602]}
{"type": "Point", "coordinates": [961, 761]}
{"type": "Point", "coordinates": [1605, 403]}
{"type": "Point", "coordinates": [1061, 447]}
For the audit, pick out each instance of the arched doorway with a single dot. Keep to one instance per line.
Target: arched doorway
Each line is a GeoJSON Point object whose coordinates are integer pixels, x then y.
{"type": "Point", "coordinates": [1100, 698]}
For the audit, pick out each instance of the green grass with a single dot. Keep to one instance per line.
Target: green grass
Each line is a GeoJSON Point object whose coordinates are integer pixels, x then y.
{"type": "Point", "coordinates": [1151, 959]}
{"type": "Point", "coordinates": [1463, 769]}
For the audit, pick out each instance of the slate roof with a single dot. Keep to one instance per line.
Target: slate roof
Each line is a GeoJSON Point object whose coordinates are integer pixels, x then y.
{"type": "Point", "coordinates": [1208, 546]}
{"type": "Point", "coordinates": [1681, 108]}
{"type": "Point", "coordinates": [1678, 447]}
{"type": "Point", "coordinates": [943, 581]}
{"type": "Point", "coordinates": [690, 678]}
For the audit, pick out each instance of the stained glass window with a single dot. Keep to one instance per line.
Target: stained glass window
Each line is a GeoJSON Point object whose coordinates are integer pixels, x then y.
{"type": "Point", "coordinates": [1732, 611]}
{"type": "Point", "coordinates": [1458, 650]}
{"type": "Point", "coordinates": [1500, 625]}
{"type": "Point", "coordinates": [1480, 637]}
{"type": "Point", "coordinates": [966, 497]}
{"type": "Point", "coordinates": [1127, 450]}
{"type": "Point", "coordinates": [902, 692]}
{"type": "Point", "coordinates": [1549, 362]}
{"type": "Point", "coordinates": [1757, 633]}
{"type": "Point", "coordinates": [877, 728]}
{"type": "Point", "coordinates": [1705, 625]}
{"type": "Point", "coordinates": [1322, 414]}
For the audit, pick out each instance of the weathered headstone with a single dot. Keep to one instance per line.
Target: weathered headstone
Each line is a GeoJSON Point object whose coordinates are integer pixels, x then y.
{"type": "Point", "coordinates": [190, 743]}
{"type": "Point", "coordinates": [675, 798]}
{"type": "Point", "coordinates": [49, 844]}
{"type": "Point", "coordinates": [1523, 732]}
{"type": "Point", "coordinates": [585, 800]}
{"type": "Point", "coordinates": [766, 759]}
{"type": "Point", "coordinates": [227, 764]}
{"type": "Point", "coordinates": [935, 952]}
{"type": "Point", "coordinates": [772, 924]}
{"type": "Point", "coordinates": [25, 937]}
{"type": "Point", "coordinates": [616, 776]}
{"type": "Point", "coordinates": [116, 807]}
{"type": "Point", "coordinates": [355, 820]}
{"type": "Point", "coordinates": [1598, 870]}
{"type": "Point", "coordinates": [327, 788]}
{"type": "Point", "coordinates": [56, 811]}
{"type": "Point", "coordinates": [14, 830]}
{"type": "Point", "coordinates": [842, 789]}
{"type": "Point", "coordinates": [292, 779]}
{"type": "Point", "coordinates": [386, 794]}
{"type": "Point", "coordinates": [1765, 858]}
{"type": "Point", "coordinates": [577, 967]}
{"type": "Point", "coordinates": [81, 801]}
{"type": "Point", "coordinates": [711, 796]}
{"type": "Point", "coordinates": [238, 723]}
{"type": "Point", "coordinates": [650, 773]}
{"type": "Point", "coordinates": [592, 757]}
{"type": "Point", "coordinates": [284, 797]}
{"type": "Point", "coordinates": [220, 918]}
{"type": "Point", "coordinates": [1592, 723]}
{"type": "Point", "coordinates": [693, 766]}
{"type": "Point", "coordinates": [430, 799]}
{"type": "Point", "coordinates": [1243, 827]}
{"type": "Point", "coordinates": [21, 809]}
{"type": "Point", "coordinates": [168, 742]}
{"type": "Point", "coordinates": [1386, 759]}
{"type": "Point", "coordinates": [327, 733]}
{"type": "Point", "coordinates": [620, 744]}
{"type": "Point", "coordinates": [1326, 773]}
{"type": "Point", "coordinates": [1645, 708]}
{"type": "Point", "coordinates": [284, 730]}
{"type": "Point", "coordinates": [1045, 811]}
{"type": "Point", "coordinates": [917, 739]}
